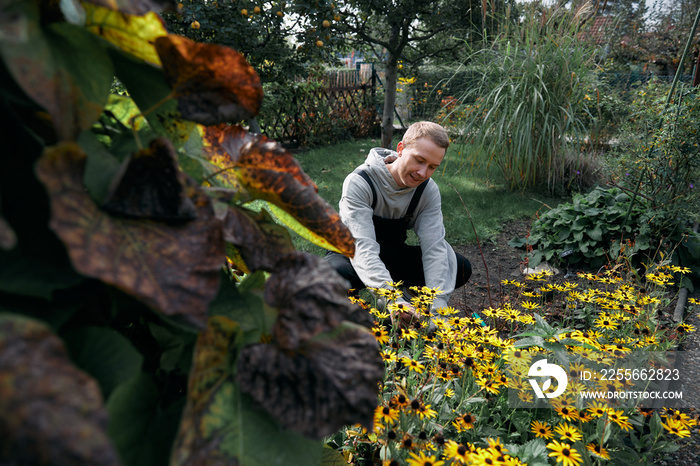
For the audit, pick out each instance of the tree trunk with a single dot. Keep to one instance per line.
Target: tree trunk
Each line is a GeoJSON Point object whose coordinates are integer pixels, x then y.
{"type": "Point", "coordinates": [389, 100]}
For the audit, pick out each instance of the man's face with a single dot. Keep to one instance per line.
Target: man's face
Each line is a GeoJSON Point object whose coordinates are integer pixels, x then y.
{"type": "Point", "coordinates": [416, 163]}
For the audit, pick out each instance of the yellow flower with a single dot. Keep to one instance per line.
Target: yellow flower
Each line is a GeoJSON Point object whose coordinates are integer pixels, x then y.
{"type": "Point", "coordinates": [564, 453]}
{"type": "Point", "coordinates": [541, 429]}
{"type": "Point", "coordinates": [381, 334]}
{"type": "Point", "coordinates": [457, 452]}
{"type": "Point", "coordinates": [605, 321]}
{"type": "Point", "coordinates": [464, 422]}
{"type": "Point", "coordinates": [423, 460]}
{"type": "Point", "coordinates": [597, 409]}
{"type": "Point", "coordinates": [379, 314]}
{"type": "Point", "coordinates": [568, 413]}
{"type": "Point", "coordinates": [598, 451]}
{"type": "Point", "coordinates": [388, 355]}
{"type": "Point", "coordinates": [568, 432]}
{"type": "Point", "coordinates": [530, 305]}
{"type": "Point", "coordinates": [620, 419]}
{"type": "Point", "coordinates": [424, 411]}
{"type": "Point", "coordinates": [677, 428]}
{"type": "Point", "coordinates": [412, 364]}
{"type": "Point", "coordinates": [385, 414]}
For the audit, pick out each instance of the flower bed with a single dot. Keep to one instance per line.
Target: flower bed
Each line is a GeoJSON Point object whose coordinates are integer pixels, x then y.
{"type": "Point", "coordinates": [449, 395]}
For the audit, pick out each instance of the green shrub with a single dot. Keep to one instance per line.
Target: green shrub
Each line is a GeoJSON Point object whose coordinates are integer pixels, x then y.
{"type": "Point", "coordinates": [592, 226]}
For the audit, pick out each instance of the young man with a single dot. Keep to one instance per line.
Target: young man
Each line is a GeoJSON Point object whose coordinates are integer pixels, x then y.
{"type": "Point", "coordinates": [383, 198]}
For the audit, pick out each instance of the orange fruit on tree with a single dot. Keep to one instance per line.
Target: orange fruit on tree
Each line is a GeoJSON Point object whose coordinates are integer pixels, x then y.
{"type": "Point", "coordinates": [244, 12]}
{"type": "Point", "coordinates": [326, 23]}
{"type": "Point", "coordinates": [256, 10]}
{"type": "Point", "coordinates": [195, 24]}
{"type": "Point", "coordinates": [280, 14]}
{"type": "Point", "coordinates": [319, 43]}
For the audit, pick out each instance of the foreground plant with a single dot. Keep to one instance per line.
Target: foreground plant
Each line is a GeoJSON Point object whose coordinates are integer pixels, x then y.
{"type": "Point", "coordinates": [450, 395]}
{"type": "Point", "coordinates": [147, 316]}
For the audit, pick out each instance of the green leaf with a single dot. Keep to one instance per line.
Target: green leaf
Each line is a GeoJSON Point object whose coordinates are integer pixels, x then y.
{"type": "Point", "coordinates": [104, 354]}
{"type": "Point", "coordinates": [100, 168]}
{"type": "Point", "coordinates": [596, 233]}
{"type": "Point", "coordinates": [332, 457]}
{"type": "Point", "coordinates": [140, 425]}
{"type": "Point", "coordinates": [62, 67]}
{"type": "Point", "coordinates": [125, 110]}
{"type": "Point", "coordinates": [27, 275]}
{"type": "Point", "coordinates": [517, 243]}
{"type": "Point", "coordinates": [176, 347]}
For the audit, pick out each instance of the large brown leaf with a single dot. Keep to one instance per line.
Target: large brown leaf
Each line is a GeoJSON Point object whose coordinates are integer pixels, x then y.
{"type": "Point", "coordinates": [50, 412]}
{"type": "Point", "coordinates": [151, 185]}
{"type": "Point", "coordinates": [133, 7]}
{"type": "Point", "coordinates": [329, 382]}
{"type": "Point", "coordinates": [259, 239]}
{"type": "Point", "coordinates": [213, 83]}
{"type": "Point", "coordinates": [270, 172]}
{"type": "Point", "coordinates": [172, 268]}
{"type": "Point", "coordinates": [321, 372]}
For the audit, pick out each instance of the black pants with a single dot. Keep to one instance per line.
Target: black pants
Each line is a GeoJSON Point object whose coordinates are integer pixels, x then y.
{"type": "Point", "coordinates": [404, 263]}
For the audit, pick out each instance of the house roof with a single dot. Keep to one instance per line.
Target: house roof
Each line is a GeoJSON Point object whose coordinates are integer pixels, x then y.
{"type": "Point", "coordinates": [598, 31]}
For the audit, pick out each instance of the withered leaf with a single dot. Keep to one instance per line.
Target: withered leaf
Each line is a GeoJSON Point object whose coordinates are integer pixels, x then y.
{"type": "Point", "coordinates": [321, 372]}
{"type": "Point", "coordinates": [328, 382]}
{"type": "Point", "coordinates": [268, 171]}
{"type": "Point", "coordinates": [151, 185]}
{"type": "Point", "coordinates": [213, 83]}
{"type": "Point", "coordinates": [311, 297]}
{"type": "Point", "coordinates": [133, 7]}
{"type": "Point", "coordinates": [172, 268]}
{"type": "Point", "coordinates": [52, 413]}
{"type": "Point", "coordinates": [259, 239]}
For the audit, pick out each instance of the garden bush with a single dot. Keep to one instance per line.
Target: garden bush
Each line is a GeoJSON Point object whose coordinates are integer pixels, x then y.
{"type": "Point", "coordinates": [450, 396]}
{"type": "Point", "coordinates": [593, 227]}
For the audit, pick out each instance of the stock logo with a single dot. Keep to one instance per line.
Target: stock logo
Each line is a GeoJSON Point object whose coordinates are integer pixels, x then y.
{"type": "Point", "coordinates": [553, 371]}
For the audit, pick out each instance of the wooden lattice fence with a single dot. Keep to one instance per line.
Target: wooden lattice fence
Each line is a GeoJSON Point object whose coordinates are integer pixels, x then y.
{"type": "Point", "coordinates": [337, 105]}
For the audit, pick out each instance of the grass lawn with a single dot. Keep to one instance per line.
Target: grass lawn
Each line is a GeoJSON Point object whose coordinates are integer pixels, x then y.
{"type": "Point", "coordinates": [485, 196]}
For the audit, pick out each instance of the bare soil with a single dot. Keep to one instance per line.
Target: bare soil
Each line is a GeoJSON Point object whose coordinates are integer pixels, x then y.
{"type": "Point", "coordinates": [492, 261]}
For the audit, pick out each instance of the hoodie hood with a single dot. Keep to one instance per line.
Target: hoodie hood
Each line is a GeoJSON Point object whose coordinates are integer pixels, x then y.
{"type": "Point", "coordinates": [379, 158]}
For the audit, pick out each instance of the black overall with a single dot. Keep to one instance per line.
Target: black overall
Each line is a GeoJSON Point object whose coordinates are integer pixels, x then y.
{"type": "Point", "coordinates": [403, 261]}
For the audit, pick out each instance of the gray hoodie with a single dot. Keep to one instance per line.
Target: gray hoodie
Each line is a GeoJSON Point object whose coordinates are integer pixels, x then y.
{"type": "Point", "coordinates": [439, 261]}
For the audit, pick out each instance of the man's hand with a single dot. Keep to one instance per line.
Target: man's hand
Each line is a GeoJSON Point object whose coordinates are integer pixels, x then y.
{"type": "Point", "coordinates": [405, 314]}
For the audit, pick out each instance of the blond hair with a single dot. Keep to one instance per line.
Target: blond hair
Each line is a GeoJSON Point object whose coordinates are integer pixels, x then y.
{"type": "Point", "coordinates": [426, 129]}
